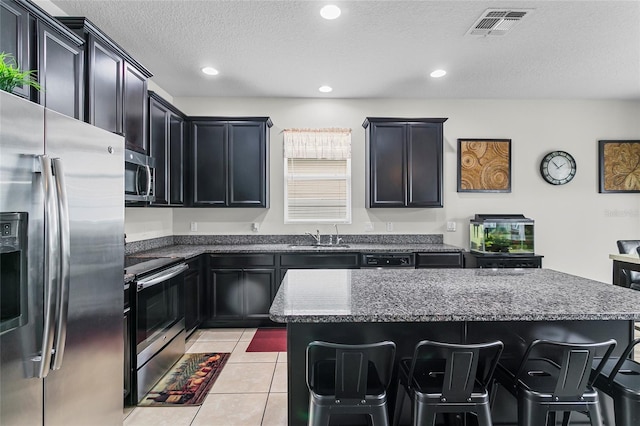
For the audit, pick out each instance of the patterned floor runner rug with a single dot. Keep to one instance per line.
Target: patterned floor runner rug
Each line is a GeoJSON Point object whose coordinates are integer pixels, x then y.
{"type": "Point", "coordinates": [188, 381]}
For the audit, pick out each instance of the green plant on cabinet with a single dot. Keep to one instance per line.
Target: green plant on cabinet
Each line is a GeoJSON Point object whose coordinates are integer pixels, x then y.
{"type": "Point", "coordinates": [11, 76]}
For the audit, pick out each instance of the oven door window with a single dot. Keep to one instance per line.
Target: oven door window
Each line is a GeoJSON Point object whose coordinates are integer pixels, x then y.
{"type": "Point", "coordinates": [159, 307]}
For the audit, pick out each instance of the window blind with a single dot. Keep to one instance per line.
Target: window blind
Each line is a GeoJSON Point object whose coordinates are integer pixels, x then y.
{"type": "Point", "coordinates": [317, 176]}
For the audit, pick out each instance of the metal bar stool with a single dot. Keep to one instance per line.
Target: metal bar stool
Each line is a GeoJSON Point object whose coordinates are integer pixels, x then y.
{"type": "Point", "coordinates": [349, 379]}
{"type": "Point", "coordinates": [620, 379]}
{"type": "Point", "coordinates": [447, 378]}
{"type": "Point", "coordinates": [630, 279]}
{"type": "Point", "coordinates": [554, 376]}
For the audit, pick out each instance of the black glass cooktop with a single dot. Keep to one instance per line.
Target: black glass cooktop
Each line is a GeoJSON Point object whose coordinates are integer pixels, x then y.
{"type": "Point", "coordinates": [144, 265]}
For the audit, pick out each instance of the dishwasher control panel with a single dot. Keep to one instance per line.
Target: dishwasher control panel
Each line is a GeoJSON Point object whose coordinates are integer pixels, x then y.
{"type": "Point", "coordinates": [388, 260]}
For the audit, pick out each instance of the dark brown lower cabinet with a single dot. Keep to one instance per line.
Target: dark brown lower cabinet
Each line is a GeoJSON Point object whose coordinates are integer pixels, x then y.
{"type": "Point", "coordinates": [439, 260]}
{"type": "Point", "coordinates": [477, 260]}
{"type": "Point", "coordinates": [193, 295]}
{"type": "Point", "coordinates": [317, 261]}
{"type": "Point", "coordinates": [240, 289]}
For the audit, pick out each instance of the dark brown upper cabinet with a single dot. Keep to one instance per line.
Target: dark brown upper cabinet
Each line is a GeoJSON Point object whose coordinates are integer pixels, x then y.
{"type": "Point", "coordinates": [115, 85]}
{"type": "Point", "coordinates": [167, 147]}
{"type": "Point", "coordinates": [15, 37]}
{"type": "Point", "coordinates": [39, 42]}
{"type": "Point", "coordinates": [404, 162]}
{"type": "Point", "coordinates": [229, 162]}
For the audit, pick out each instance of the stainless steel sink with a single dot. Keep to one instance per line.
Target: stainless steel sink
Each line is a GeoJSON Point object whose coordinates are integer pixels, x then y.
{"type": "Point", "coordinates": [318, 246]}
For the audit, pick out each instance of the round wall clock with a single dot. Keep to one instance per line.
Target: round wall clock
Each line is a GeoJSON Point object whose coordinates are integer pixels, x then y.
{"type": "Point", "coordinates": [558, 167]}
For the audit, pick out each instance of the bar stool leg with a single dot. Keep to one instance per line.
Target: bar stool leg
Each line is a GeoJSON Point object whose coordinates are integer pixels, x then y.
{"type": "Point", "coordinates": [566, 417]}
{"type": "Point", "coordinates": [595, 415]}
{"type": "Point", "coordinates": [397, 411]}
{"type": "Point", "coordinates": [379, 416]}
{"type": "Point", "coordinates": [318, 416]}
{"type": "Point", "coordinates": [484, 415]}
{"type": "Point", "coordinates": [423, 415]}
{"type": "Point", "coordinates": [531, 414]}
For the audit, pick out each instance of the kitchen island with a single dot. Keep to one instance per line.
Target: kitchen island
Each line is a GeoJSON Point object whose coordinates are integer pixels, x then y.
{"type": "Point", "coordinates": [450, 305]}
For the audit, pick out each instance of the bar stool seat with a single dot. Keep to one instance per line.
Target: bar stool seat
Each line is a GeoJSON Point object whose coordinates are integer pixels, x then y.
{"type": "Point", "coordinates": [349, 379]}
{"type": "Point", "coordinates": [447, 378]}
{"type": "Point", "coordinates": [620, 379]}
{"type": "Point", "coordinates": [554, 376]}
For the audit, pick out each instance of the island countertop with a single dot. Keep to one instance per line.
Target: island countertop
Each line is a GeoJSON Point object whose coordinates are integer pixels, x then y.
{"type": "Point", "coordinates": [439, 295]}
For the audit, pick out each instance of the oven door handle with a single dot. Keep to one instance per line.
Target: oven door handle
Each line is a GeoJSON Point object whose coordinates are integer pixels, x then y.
{"type": "Point", "coordinates": [161, 276]}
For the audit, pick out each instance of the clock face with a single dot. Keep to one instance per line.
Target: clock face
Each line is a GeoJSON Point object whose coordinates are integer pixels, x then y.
{"type": "Point", "coordinates": [558, 167]}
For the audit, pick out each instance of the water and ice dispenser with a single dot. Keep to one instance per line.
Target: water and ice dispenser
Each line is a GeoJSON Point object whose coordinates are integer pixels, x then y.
{"type": "Point", "coordinates": [13, 270]}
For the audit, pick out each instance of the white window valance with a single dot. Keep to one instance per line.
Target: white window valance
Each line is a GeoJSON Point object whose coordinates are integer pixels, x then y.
{"type": "Point", "coordinates": [331, 144]}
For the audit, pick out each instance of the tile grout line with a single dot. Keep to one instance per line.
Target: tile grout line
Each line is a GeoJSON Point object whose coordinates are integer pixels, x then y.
{"type": "Point", "coordinates": [266, 403]}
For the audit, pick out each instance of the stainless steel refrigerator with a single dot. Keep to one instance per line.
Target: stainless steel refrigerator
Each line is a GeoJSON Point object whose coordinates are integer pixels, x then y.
{"type": "Point", "coordinates": [62, 254]}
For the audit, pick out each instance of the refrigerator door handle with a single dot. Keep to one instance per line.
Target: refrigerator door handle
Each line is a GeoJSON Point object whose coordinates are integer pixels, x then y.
{"type": "Point", "coordinates": [64, 265]}
{"type": "Point", "coordinates": [51, 255]}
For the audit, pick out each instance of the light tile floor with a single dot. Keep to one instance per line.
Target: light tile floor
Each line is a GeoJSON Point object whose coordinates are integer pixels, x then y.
{"type": "Point", "coordinates": [251, 389]}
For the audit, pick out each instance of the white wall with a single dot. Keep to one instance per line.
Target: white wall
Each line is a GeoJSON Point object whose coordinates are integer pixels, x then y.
{"type": "Point", "coordinates": [576, 227]}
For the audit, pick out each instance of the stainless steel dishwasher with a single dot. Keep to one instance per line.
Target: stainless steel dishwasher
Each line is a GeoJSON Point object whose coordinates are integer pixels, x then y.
{"type": "Point", "coordinates": [387, 260]}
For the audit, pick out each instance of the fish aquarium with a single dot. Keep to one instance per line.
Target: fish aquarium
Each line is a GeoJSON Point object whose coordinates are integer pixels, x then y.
{"type": "Point", "coordinates": [501, 234]}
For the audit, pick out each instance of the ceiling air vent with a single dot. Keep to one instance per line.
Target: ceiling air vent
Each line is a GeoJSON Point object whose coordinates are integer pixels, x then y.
{"type": "Point", "coordinates": [496, 22]}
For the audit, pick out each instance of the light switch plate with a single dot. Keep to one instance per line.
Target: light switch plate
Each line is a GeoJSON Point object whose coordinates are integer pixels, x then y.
{"type": "Point", "coordinates": [194, 226]}
{"type": "Point", "coordinates": [451, 226]}
{"type": "Point", "coordinates": [389, 226]}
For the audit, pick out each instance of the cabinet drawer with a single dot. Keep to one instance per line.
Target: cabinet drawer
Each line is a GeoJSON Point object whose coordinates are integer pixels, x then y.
{"type": "Point", "coordinates": [439, 260]}
{"type": "Point", "coordinates": [195, 265]}
{"type": "Point", "coordinates": [321, 260]}
{"type": "Point", "coordinates": [241, 260]}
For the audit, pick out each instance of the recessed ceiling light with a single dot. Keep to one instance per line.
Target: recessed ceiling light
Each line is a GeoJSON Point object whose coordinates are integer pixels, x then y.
{"type": "Point", "coordinates": [330, 11]}
{"type": "Point", "coordinates": [325, 89]}
{"type": "Point", "coordinates": [438, 73]}
{"type": "Point", "coordinates": [210, 71]}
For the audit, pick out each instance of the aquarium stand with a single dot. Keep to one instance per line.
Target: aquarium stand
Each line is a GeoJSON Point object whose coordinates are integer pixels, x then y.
{"type": "Point", "coordinates": [499, 260]}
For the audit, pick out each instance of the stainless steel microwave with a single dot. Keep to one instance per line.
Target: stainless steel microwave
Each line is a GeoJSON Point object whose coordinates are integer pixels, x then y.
{"type": "Point", "coordinates": [139, 173]}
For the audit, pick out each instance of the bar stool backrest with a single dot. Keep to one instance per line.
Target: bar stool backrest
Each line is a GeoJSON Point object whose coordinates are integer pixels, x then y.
{"type": "Point", "coordinates": [630, 247]}
{"type": "Point", "coordinates": [624, 356]}
{"type": "Point", "coordinates": [358, 370]}
{"type": "Point", "coordinates": [575, 362]}
{"type": "Point", "coordinates": [462, 366]}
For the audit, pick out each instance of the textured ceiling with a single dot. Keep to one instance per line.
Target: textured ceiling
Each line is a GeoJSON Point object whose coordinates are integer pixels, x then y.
{"type": "Point", "coordinates": [377, 49]}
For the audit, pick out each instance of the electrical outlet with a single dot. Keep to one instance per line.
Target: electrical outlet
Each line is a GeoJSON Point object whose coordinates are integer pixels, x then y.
{"type": "Point", "coordinates": [451, 226]}
{"type": "Point", "coordinates": [389, 226]}
{"type": "Point", "coordinates": [368, 227]}
{"type": "Point", "coordinates": [194, 226]}
{"type": "Point", "coordinates": [255, 226]}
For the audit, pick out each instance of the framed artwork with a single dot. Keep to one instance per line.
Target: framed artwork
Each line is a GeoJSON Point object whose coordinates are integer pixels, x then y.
{"type": "Point", "coordinates": [619, 164]}
{"type": "Point", "coordinates": [484, 165]}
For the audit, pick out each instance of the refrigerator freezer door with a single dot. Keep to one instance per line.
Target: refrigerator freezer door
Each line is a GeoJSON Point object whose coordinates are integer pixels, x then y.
{"type": "Point", "coordinates": [21, 140]}
{"type": "Point", "coordinates": [88, 386]}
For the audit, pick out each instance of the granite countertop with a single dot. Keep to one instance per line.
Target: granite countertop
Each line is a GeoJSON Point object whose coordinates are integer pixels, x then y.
{"type": "Point", "coordinates": [189, 251]}
{"type": "Point", "coordinates": [628, 258]}
{"type": "Point", "coordinates": [428, 295]}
